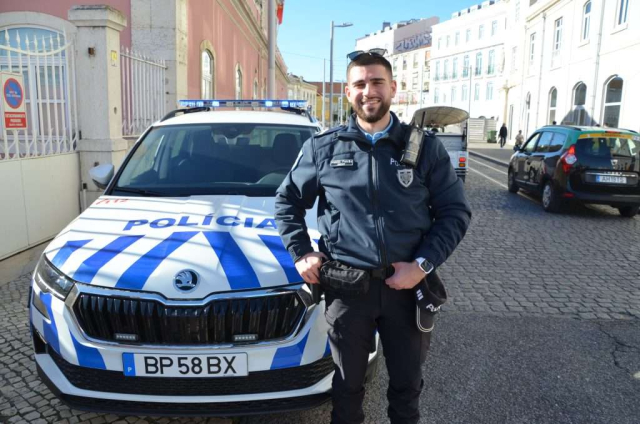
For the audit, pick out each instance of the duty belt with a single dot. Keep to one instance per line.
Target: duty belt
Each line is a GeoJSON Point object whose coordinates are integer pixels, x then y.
{"type": "Point", "coordinates": [381, 273]}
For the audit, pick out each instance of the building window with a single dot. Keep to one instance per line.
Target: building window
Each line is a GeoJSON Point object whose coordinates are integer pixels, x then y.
{"type": "Point", "coordinates": [514, 62]}
{"type": "Point", "coordinates": [446, 69]}
{"type": "Point", "coordinates": [457, 40]}
{"type": "Point", "coordinates": [586, 21]}
{"type": "Point", "coordinates": [476, 93]}
{"type": "Point", "coordinates": [494, 28]}
{"type": "Point", "coordinates": [557, 36]}
{"type": "Point", "coordinates": [478, 63]}
{"type": "Point", "coordinates": [255, 88]}
{"type": "Point", "coordinates": [489, 91]}
{"type": "Point", "coordinates": [448, 40]}
{"type": "Point", "coordinates": [415, 60]}
{"type": "Point", "coordinates": [465, 93]}
{"type": "Point", "coordinates": [403, 84]}
{"type": "Point", "coordinates": [436, 95]}
{"type": "Point", "coordinates": [437, 70]}
{"type": "Point", "coordinates": [579, 100]}
{"type": "Point", "coordinates": [623, 9]}
{"type": "Point", "coordinates": [453, 94]}
{"type": "Point", "coordinates": [553, 102]}
{"type": "Point", "coordinates": [527, 113]}
{"type": "Point", "coordinates": [414, 81]}
{"type": "Point", "coordinates": [612, 102]}
{"type": "Point", "coordinates": [517, 11]}
{"type": "Point", "coordinates": [532, 48]}
{"type": "Point", "coordinates": [238, 82]}
{"type": "Point", "coordinates": [492, 62]}
{"type": "Point", "coordinates": [404, 62]}
{"type": "Point", "coordinates": [480, 32]}
{"type": "Point", "coordinates": [468, 35]}
{"type": "Point", "coordinates": [206, 89]}
{"type": "Point", "coordinates": [454, 71]}
{"type": "Point", "coordinates": [465, 67]}
{"type": "Point", "coordinates": [439, 43]}
{"type": "Point", "coordinates": [395, 65]}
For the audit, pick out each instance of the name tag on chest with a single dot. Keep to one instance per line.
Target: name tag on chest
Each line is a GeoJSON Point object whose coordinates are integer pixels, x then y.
{"type": "Point", "coordinates": [339, 163]}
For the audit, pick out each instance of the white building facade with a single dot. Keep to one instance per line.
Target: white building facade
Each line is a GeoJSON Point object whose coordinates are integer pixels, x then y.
{"type": "Point", "coordinates": [577, 63]}
{"type": "Point", "coordinates": [467, 61]}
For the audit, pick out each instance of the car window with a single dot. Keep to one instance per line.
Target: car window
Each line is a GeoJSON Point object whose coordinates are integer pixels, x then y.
{"type": "Point", "coordinates": [182, 160]}
{"type": "Point", "coordinates": [557, 142]}
{"type": "Point", "coordinates": [531, 143]}
{"type": "Point", "coordinates": [545, 141]}
{"type": "Point", "coordinates": [607, 147]}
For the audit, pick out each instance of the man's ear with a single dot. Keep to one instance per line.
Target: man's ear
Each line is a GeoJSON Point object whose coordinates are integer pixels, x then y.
{"type": "Point", "coordinates": [394, 87]}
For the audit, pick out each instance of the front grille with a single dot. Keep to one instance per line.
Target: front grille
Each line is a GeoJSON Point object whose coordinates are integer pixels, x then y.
{"type": "Point", "coordinates": [154, 323]}
{"type": "Point", "coordinates": [277, 380]}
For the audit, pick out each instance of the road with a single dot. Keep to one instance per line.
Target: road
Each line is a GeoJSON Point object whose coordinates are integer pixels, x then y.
{"type": "Point", "coordinates": [542, 325]}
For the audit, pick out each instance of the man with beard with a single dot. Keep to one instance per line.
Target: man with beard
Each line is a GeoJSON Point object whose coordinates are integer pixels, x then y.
{"type": "Point", "coordinates": [385, 226]}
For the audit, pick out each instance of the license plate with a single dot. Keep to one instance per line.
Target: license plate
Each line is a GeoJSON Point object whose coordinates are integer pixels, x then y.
{"type": "Point", "coordinates": [222, 365]}
{"type": "Point", "coordinates": [611, 179]}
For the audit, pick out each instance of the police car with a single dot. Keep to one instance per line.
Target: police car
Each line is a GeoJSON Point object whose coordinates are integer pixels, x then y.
{"type": "Point", "coordinates": [172, 294]}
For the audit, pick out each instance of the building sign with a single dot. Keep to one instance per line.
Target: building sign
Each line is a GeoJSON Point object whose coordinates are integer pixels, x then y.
{"type": "Point", "coordinates": [13, 106]}
{"type": "Point", "coordinates": [413, 42]}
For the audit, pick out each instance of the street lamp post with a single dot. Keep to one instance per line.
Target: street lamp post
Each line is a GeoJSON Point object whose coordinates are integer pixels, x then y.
{"type": "Point", "coordinates": [343, 25]}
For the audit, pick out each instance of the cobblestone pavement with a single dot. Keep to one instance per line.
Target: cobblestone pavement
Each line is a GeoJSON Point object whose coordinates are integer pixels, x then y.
{"type": "Point", "coordinates": [516, 260]}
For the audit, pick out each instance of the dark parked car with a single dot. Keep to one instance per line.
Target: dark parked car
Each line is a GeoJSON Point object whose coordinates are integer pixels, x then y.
{"type": "Point", "coordinates": [585, 164]}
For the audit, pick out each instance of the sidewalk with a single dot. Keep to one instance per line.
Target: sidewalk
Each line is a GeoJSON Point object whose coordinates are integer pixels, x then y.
{"type": "Point", "coordinates": [20, 264]}
{"type": "Point", "coordinates": [492, 152]}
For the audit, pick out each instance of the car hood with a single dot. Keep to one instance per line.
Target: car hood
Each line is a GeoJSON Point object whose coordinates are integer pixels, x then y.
{"type": "Point", "coordinates": [178, 247]}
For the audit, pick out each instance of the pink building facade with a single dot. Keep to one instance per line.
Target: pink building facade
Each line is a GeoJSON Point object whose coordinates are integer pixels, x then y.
{"type": "Point", "coordinates": [212, 49]}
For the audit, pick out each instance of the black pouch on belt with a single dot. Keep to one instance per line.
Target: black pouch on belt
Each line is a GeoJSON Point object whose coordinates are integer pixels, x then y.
{"type": "Point", "coordinates": [342, 280]}
{"type": "Point", "coordinates": [430, 296]}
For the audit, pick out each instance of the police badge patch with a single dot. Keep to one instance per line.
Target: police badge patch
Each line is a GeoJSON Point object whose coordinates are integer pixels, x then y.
{"type": "Point", "coordinates": [405, 176]}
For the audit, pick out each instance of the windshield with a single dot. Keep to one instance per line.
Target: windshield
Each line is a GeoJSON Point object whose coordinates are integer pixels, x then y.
{"type": "Point", "coordinates": [184, 160]}
{"type": "Point", "coordinates": [607, 147]}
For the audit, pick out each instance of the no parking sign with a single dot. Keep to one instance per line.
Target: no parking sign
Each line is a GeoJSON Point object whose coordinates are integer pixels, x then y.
{"type": "Point", "coordinates": [15, 115]}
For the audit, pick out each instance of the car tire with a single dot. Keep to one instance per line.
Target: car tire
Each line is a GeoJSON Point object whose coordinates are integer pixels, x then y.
{"type": "Point", "coordinates": [629, 211]}
{"type": "Point", "coordinates": [511, 182]}
{"type": "Point", "coordinates": [550, 200]}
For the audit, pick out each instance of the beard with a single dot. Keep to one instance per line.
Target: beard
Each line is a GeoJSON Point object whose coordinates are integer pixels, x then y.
{"type": "Point", "coordinates": [376, 115]}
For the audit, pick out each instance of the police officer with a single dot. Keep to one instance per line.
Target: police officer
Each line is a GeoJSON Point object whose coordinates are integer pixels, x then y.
{"type": "Point", "coordinates": [395, 222]}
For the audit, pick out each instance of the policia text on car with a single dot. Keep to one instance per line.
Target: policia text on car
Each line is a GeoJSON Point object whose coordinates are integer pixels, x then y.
{"type": "Point", "coordinates": [386, 224]}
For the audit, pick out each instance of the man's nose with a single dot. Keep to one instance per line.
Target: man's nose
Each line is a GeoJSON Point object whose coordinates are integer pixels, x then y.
{"type": "Point", "coordinates": [367, 89]}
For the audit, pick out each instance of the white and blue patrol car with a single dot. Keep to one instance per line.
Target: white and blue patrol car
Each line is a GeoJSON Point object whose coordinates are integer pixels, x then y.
{"type": "Point", "coordinates": [172, 294]}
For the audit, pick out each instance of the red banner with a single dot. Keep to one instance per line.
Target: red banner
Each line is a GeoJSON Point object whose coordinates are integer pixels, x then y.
{"type": "Point", "coordinates": [280, 11]}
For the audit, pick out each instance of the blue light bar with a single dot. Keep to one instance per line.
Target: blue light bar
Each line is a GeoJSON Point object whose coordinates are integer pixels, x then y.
{"type": "Point", "coordinates": [301, 104]}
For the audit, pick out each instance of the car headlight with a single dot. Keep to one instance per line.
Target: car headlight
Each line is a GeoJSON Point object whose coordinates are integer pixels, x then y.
{"type": "Point", "coordinates": [51, 280]}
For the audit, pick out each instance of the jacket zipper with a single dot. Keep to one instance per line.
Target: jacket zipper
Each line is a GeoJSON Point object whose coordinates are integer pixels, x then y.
{"type": "Point", "coordinates": [377, 216]}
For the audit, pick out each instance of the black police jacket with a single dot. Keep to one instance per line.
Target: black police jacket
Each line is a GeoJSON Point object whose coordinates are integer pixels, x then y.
{"type": "Point", "coordinates": [373, 210]}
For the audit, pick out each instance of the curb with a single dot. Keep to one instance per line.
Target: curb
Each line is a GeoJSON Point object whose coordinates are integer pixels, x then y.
{"type": "Point", "coordinates": [489, 158]}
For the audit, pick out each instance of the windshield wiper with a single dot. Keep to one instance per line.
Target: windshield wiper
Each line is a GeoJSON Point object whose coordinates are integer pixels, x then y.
{"type": "Point", "coordinates": [140, 191]}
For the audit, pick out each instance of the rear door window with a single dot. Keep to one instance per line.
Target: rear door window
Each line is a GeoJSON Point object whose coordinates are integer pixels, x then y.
{"type": "Point", "coordinates": [545, 141]}
{"type": "Point", "coordinates": [557, 142]}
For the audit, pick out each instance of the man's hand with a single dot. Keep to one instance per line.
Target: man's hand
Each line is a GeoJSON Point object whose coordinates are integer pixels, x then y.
{"type": "Point", "coordinates": [309, 267]}
{"type": "Point", "coordinates": [406, 276]}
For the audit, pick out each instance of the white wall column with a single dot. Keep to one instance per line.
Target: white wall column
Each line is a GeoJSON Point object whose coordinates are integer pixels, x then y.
{"type": "Point", "coordinates": [98, 87]}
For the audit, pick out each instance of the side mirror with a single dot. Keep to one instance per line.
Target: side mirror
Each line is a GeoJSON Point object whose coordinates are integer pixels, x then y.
{"type": "Point", "coordinates": [101, 175]}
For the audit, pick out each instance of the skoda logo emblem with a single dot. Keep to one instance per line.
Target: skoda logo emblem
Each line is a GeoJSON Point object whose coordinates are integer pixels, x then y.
{"type": "Point", "coordinates": [186, 281]}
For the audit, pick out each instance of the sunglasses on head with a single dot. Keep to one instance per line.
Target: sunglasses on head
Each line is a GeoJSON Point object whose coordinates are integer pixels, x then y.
{"type": "Point", "coordinates": [372, 52]}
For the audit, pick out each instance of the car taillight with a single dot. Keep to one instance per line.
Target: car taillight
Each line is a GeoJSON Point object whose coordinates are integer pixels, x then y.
{"type": "Point", "coordinates": [568, 159]}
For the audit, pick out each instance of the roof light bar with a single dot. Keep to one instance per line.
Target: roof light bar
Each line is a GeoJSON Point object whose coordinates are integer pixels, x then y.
{"type": "Point", "coordinates": [243, 103]}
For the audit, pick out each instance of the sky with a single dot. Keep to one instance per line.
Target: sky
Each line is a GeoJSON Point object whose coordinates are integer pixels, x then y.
{"type": "Point", "coordinates": [304, 36]}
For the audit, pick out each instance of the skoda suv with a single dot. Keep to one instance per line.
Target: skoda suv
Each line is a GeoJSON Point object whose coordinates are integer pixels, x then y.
{"type": "Point", "coordinates": [172, 294]}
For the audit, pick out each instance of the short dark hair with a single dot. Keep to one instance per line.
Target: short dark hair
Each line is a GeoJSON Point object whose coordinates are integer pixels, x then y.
{"type": "Point", "coordinates": [369, 59]}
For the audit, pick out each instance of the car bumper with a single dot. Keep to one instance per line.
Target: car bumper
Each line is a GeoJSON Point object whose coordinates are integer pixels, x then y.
{"type": "Point", "coordinates": [292, 374]}
{"type": "Point", "coordinates": [604, 199]}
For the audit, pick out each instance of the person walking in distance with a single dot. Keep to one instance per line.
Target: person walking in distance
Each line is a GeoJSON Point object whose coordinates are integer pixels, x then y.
{"type": "Point", "coordinates": [519, 139]}
{"type": "Point", "coordinates": [503, 135]}
{"type": "Point", "coordinates": [381, 241]}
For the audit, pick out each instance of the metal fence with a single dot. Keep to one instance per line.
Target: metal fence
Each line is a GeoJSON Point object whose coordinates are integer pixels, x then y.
{"type": "Point", "coordinates": [46, 62]}
{"type": "Point", "coordinates": [143, 91]}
